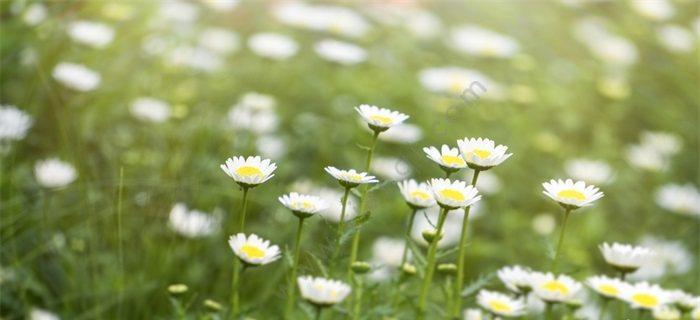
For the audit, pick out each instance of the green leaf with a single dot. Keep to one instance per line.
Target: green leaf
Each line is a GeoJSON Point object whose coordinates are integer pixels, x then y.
{"type": "Point", "coordinates": [319, 264]}
{"type": "Point", "coordinates": [477, 284]}
{"type": "Point", "coordinates": [379, 186]}
{"type": "Point", "coordinates": [445, 253]}
{"type": "Point", "coordinates": [417, 255]}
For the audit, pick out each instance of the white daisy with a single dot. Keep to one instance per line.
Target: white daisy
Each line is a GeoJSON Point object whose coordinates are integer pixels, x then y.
{"type": "Point", "coordinates": [178, 11]}
{"type": "Point", "coordinates": [253, 250]}
{"type": "Point", "coordinates": [515, 278]}
{"type": "Point", "coordinates": [571, 195]}
{"type": "Point", "coordinates": [54, 173]}
{"type": "Point", "coordinates": [453, 194]}
{"type": "Point", "coordinates": [643, 295]}
{"type": "Point", "coordinates": [591, 171]}
{"type": "Point", "coordinates": [322, 292]}
{"type": "Point", "coordinates": [666, 313]}
{"type": "Point", "coordinates": [14, 123]}
{"type": "Point", "coordinates": [474, 314]}
{"type": "Point", "coordinates": [657, 10]}
{"type": "Point", "coordinates": [500, 304]}
{"type": "Point", "coordinates": [335, 207]}
{"type": "Point", "coordinates": [676, 38]}
{"type": "Point", "coordinates": [350, 178]}
{"type": "Point", "coordinates": [271, 146]}
{"type": "Point", "coordinates": [249, 172]}
{"type": "Point", "coordinates": [459, 81]}
{"type": "Point", "coordinates": [607, 287]}
{"type": "Point", "coordinates": [390, 168]}
{"type": "Point", "coordinates": [219, 40]}
{"type": "Point", "coordinates": [273, 46]}
{"type": "Point", "coordinates": [150, 109]}
{"type": "Point", "coordinates": [624, 257]}
{"type": "Point", "coordinates": [326, 18]}
{"type": "Point", "coordinates": [404, 133]}
{"type": "Point", "coordinates": [682, 199]}
{"type": "Point", "coordinates": [477, 41]}
{"type": "Point", "coordinates": [695, 314]}
{"type": "Point", "coordinates": [35, 14]}
{"type": "Point", "coordinates": [447, 158]}
{"type": "Point", "coordinates": [388, 251]}
{"type": "Point", "coordinates": [380, 119]}
{"type": "Point", "coordinates": [482, 154]}
{"type": "Point", "coordinates": [254, 112]}
{"type": "Point", "coordinates": [302, 205]}
{"type": "Point", "coordinates": [195, 57]}
{"type": "Point", "coordinates": [551, 288]}
{"type": "Point", "coordinates": [221, 5]}
{"type": "Point", "coordinates": [41, 314]}
{"type": "Point", "coordinates": [665, 143]}
{"type": "Point", "coordinates": [416, 195]}
{"type": "Point", "coordinates": [192, 223]}
{"type": "Point", "coordinates": [683, 300]}
{"type": "Point", "coordinates": [341, 52]}
{"type": "Point", "coordinates": [76, 76]}
{"type": "Point", "coordinates": [488, 182]}
{"type": "Point", "coordinates": [646, 157]}
{"type": "Point", "coordinates": [94, 34]}
{"type": "Point", "coordinates": [672, 258]}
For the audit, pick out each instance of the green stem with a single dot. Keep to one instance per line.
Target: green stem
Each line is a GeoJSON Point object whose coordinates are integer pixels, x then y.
{"type": "Point", "coordinates": [235, 288]}
{"type": "Point", "coordinates": [291, 287]}
{"type": "Point", "coordinates": [120, 246]}
{"type": "Point", "coordinates": [318, 313]}
{"type": "Point", "coordinates": [548, 311]}
{"type": "Point", "coordinates": [341, 227]}
{"type": "Point", "coordinates": [457, 294]}
{"type": "Point", "coordinates": [404, 258]}
{"type": "Point", "coordinates": [561, 241]}
{"type": "Point", "coordinates": [603, 305]}
{"type": "Point", "coordinates": [241, 222]}
{"type": "Point", "coordinates": [430, 268]}
{"type": "Point", "coordinates": [357, 309]}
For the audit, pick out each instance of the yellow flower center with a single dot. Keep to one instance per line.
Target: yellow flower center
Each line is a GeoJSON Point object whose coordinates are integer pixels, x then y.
{"type": "Point", "coordinates": [304, 205]}
{"type": "Point", "coordinates": [248, 171]}
{"type": "Point", "coordinates": [571, 194]}
{"type": "Point", "coordinates": [252, 251]}
{"type": "Point", "coordinates": [481, 153]}
{"type": "Point", "coordinates": [420, 195]}
{"type": "Point", "coordinates": [608, 289]}
{"type": "Point", "coordinates": [353, 177]}
{"type": "Point", "coordinates": [452, 160]}
{"type": "Point", "coordinates": [645, 300]}
{"type": "Point", "coordinates": [457, 84]}
{"type": "Point", "coordinates": [499, 306]}
{"type": "Point", "coordinates": [556, 286]}
{"type": "Point", "coordinates": [383, 120]}
{"type": "Point", "coordinates": [452, 194]}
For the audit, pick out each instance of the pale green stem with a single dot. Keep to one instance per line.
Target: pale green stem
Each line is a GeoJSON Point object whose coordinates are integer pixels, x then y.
{"type": "Point", "coordinates": [404, 258]}
{"type": "Point", "coordinates": [241, 222]}
{"type": "Point", "coordinates": [318, 313]}
{"type": "Point", "coordinates": [341, 227]}
{"type": "Point", "coordinates": [601, 313]}
{"type": "Point", "coordinates": [357, 309]}
{"type": "Point", "coordinates": [235, 307]}
{"type": "Point", "coordinates": [430, 268]}
{"type": "Point", "coordinates": [548, 311]}
{"type": "Point", "coordinates": [457, 294]}
{"type": "Point", "coordinates": [291, 287]}
{"type": "Point", "coordinates": [561, 241]}
{"type": "Point", "coordinates": [120, 246]}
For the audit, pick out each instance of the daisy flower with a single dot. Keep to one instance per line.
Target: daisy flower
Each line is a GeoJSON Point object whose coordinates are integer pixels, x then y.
{"type": "Point", "coordinates": [54, 173]}
{"type": "Point", "coordinates": [682, 199]}
{"type": "Point", "coordinates": [477, 41]}
{"type": "Point", "coordinates": [671, 258]}
{"type": "Point", "coordinates": [551, 288]}
{"type": "Point", "coordinates": [453, 194]}
{"type": "Point", "coordinates": [683, 300]}
{"type": "Point", "coordinates": [273, 46]}
{"type": "Point", "coordinates": [14, 123]}
{"type": "Point", "coordinates": [515, 278]}
{"type": "Point", "coordinates": [474, 314]}
{"type": "Point", "coordinates": [250, 172]}
{"type": "Point", "coordinates": [192, 223]}
{"type": "Point", "coordinates": [695, 314]}
{"type": "Point", "coordinates": [657, 10]}
{"type": "Point", "coordinates": [590, 171]}
{"type": "Point", "coordinates": [643, 295]}
{"type": "Point", "coordinates": [350, 178]}
{"type": "Point", "coordinates": [404, 133]}
{"type": "Point", "coordinates": [666, 313]}
{"type": "Point", "coordinates": [76, 76]}
{"type": "Point", "coordinates": [303, 206]}
{"type": "Point", "coordinates": [500, 304]}
{"type": "Point", "coordinates": [458, 81]}
{"type": "Point", "coordinates": [417, 195]}
{"type": "Point", "coordinates": [322, 292]}
{"type": "Point", "coordinates": [94, 34]}
{"type": "Point", "coordinates": [606, 287]}
{"type": "Point", "coordinates": [151, 110]}
{"type": "Point", "coordinates": [571, 195]}
{"type": "Point", "coordinates": [341, 52]}
{"type": "Point", "coordinates": [624, 257]}
{"type": "Point", "coordinates": [447, 158]}
{"type": "Point", "coordinates": [253, 250]}
{"type": "Point", "coordinates": [482, 154]}
{"type": "Point", "coordinates": [380, 119]}
{"type": "Point", "coordinates": [41, 314]}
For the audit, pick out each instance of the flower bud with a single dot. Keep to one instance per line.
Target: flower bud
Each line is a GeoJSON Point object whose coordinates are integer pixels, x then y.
{"type": "Point", "coordinates": [360, 267]}
{"type": "Point", "coordinates": [408, 269]}
{"type": "Point", "coordinates": [213, 305]}
{"type": "Point", "coordinates": [430, 236]}
{"type": "Point", "coordinates": [447, 268]}
{"type": "Point", "coordinates": [177, 288]}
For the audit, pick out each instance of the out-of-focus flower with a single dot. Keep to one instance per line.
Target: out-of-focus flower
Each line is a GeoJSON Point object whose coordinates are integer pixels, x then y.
{"type": "Point", "coordinates": [35, 14]}
{"type": "Point", "coordinates": [76, 76]}
{"type": "Point", "coordinates": [453, 194]}
{"type": "Point", "coordinates": [197, 58]}
{"type": "Point", "coordinates": [482, 154]}
{"type": "Point", "coordinates": [551, 288]}
{"type": "Point", "coordinates": [666, 313]}
{"type": "Point", "coordinates": [271, 146]}
{"type": "Point", "coordinates": [683, 300]}
{"type": "Point", "coordinates": [178, 11]}
{"type": "Point", "coordinates": [254, 112]}
{"type": "Point", "coordinates": [657, 10]}
{"type": "Point", "coordinates": [418, 21]}
{"type": "Point", "coordinates": [253, 250]}
{"type": "Point", "coordinates": [643, 295]}
{"type": "Point", "coordinates": [626, 258]}
{"type": "Point", "coordinates": [332, 19]}
{"type": "Point", "coordinates": [427, 221]}
{"type": "Point", "coordinates": [94, 34]}
{"type": "Point", "coordinates": [570, 194]}
{"type": "Point", "coordinates": [675, 38]}
{"type": "Point", "coordinates": [341, 52]}
{"type": "Point", "coordinates": [447, 158]}
{"type": "Point", "coordinates": [219, 40]}
{"type": "Point", "coordinates": [607, 287]}
{"type": "Point", "coordinates": [332, 198]}
{"type": "Point", "coordinates": [477, 41]}
{"type": "Point", "coordinates": [474, 314]}
{"type": "Point", "coordinates": [350, 178]}
{"type": "Point", "coordinates": [672, 258]}
{"type": "Point", "coordinates": [193, 223]}
{"type": "Point", "coordinates": [544, 224]}
{"type": "Point", "coordinates": [612, 49]}
{"type": "Point", "coordinates": [391, 168]}
{"type": "Point", "coordinates": [500, 304]}
{"type": "Point", "coordinates": [380, 119]}
{"type": "Point", "coordinates": [322, 292]}
{"type": "Point", "coordinates": [681, 199]}
{"type": "Point", "coordinates": [417, 195]}
{"type": "Point", "coordinates": [516, 278]}
{"type": "Point", "coordinates": [614, 86]}
{"type": "Point", "coordinates": [14, 123]}
{"type": "Point", "coordinates": [221, 5]}
{"type": "Point", "coordinates": [54, 173]}
{"type": "Point", "coordinates": [150, 109]}
{"type": "Point", "coordinates": [249, 172]}
{"type": "Point", "coordinates": [664, 143]}
{"type": "Point", "coordinates": [591, 171]}
{"type": "Point", "coordinates": [404, 133]}
{"type": "Point", "coordinates": [41, 314]}
{"type": "Point", "coordinates": [301, 204]}
{"type": "Point", "coordinates": [488, 182]}
{"type": "Point", "coordinates": [388, 251]}
{"type": "Point", "coordinates": [459, 81]}
{"type": "Point", "coordinates": [646, 158]}
{"type": "Point", "coordinates": [273, 45]}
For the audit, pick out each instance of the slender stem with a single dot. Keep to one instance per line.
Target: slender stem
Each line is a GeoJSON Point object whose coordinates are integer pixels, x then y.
{"type": "Point", "coordinates": [318, 313]}
{"type": "Point", "coordinates": [120, 245]}
{"type": "Point", "coordinates": [235, 287]}
{"type": "Point", "coordinates": [457, 294]}
{"type": "Point", "coordinates": [291, 287]}
{"type": "Point", "coordinates": [548, 311]}
{"type": "Point", "coordinates": [241, 222]}
{"type": "Point", "coordinates": [341, 226]}
{"type": "Point", "coordinates": [357, 309]}
{"type": "Point", "coordinates": [448, 174]}
{"type": "Point", "coordinates": [603, 305]}
{"type": "Point", "coordinates": [561, 241]}
{"type": "Point", "coordinates": [430, 268]}
{"type": "Point", "coordinates": [404, 258]}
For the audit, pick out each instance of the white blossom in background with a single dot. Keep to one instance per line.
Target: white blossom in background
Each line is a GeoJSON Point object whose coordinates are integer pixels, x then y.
{"type": "Point", "coordinates": [427, 219]}
{"type": "Point", "coordinates": [404, 133]}
{"type": "Point", "coordinates": [150, 109]}
{"type": "Point", "coordinates": [613, 50]}
{"type": "Point", "coordinates": [254, 112]}
{"type": "Point", "coordinates": [672, 258]}
{"type": "Point", "coordinates": [391, 168]}
{"type": "Point", "coordinates": [34, 14]}
{"type": "Point", "coordinates": [14, 123]}
{"type": "Point", "coordinates": [221, 5]}
{"type": "Point", "coordinates": [419, 22]}
{"type": "Point", "coordinates": [388, 251]}
{"type": "Point", "coordinates": [676, 38]}
{"type": "Point", "coordinates": [273, 45]}
{"type": "Point", "coordinates": [91, 33]}
{"type": "Point", "coordinates": [543, 224]}
{"type": "Point", "coordinates": [41, 314]}
{"type": "Point", "coordinates": [54, 173]}
{"type": "Point", "coordinates": [591, 171]}
{"type": "Point", "coordinates": [646, 158]}
{"type": "Point", "coordinates": [665, 143]}
{"type": "Point", "coordinates": [76, 76]}
{"type": "Point", "coordinates": [477, 41]}
{"type": "Point", "coordinates": [456, 81]}
{"type": "Point", "coordinates": [193, 223]}
{"type": "Point", "coordinates": [178, 11]}
{"type": "Point", "coordinates": [681, 199]}
{"type": "Point", "coordinates": [332, 19]}
{"type": "Point", "coordinates": [341, 52]}
{"type": "Point", "coordinates": [197, 58]}
{"type": "Point", "coordinates": [488, 182]}
{"type": "Point", "coordinates": [271, 146]}
{"type": "Point", "coordinates": [333, 197]}
{"type": "Point", "coordinates": [657, 10]}
{"type": "Point", "coordinates": [219, 40]}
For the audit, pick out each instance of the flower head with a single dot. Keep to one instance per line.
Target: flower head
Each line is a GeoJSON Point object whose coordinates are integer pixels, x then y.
{"type": "Point", "coordinates": [253, 250]}
{"type": "Point", "coordinates": [681, 199]}
{"type": "Point", "coordinates": [302, 205]}
{"type": "Point", "coordinates": [249, 172]}
{"type": "Point", "coordinates": [54, 173]}
{"type": "Point", "coordinates": [606, 287]}
{"type": "Point", "coordinates": [380, 119]}
{"type": "Point", "coordinates": [94, 34]}
{"type": "Point", "coordinates": [192, 223]}
{"type": "Point", "coordinates": [350, 178]}
{"type": "Point", "coordinates": [683, 300]}
{"type": "Point", "coordinates": [448, 158]}
{"type": "Point", "coordinates": [322, 292]}
{"type": "Point", "coordinates": [591, 171]}
{"type": "Point", "coordinates": [417, 195]}
{"type": "Point", "coordinates": [482, 154]}
{"type": "Point", "coordinates": [666, 313]}
{"type": "Point", "coordinates": [340, 52]}
{"type": "Point", "coordinates": [500, 304]}
{"type": "Point", "coordinates": [643, 295]}
{"type": "Point", "coordinates": [150, 109]}
{"type": "Point", "coordinates": [551, 288]}
{"type": "Point", "coordinates": [515, 278]}
{"type": "Point", "coordinates": [477, 41]}
{"type": "Point", "coordinates": [624, 257]}
{"type": "Point", "coordinates": [453, 194]}
{"type": "Point", "coordinates": [273, 46]}
{"type": "Point", "coordinates": [571, 195]}
{"type": "Point", "coordinates": [14, 123]}
{"type": "Point", "coordinates": [76, 76]}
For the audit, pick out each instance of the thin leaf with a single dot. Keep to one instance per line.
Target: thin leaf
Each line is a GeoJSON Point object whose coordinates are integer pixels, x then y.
{"type": "Point", "coordinates": [364, 148]}
{"type": "Point", "coordinates": [379, 186]}
{"type": "Point", "coordinates": [445, 253]}
{"type": "Point", "coordinates": [319, 264]}
{"type": "Point", "coordinates": [477, 284]}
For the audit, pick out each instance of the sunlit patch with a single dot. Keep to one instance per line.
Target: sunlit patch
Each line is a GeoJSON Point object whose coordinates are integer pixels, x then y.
{"type": "Point", "coordinates": [420, 195]}
{"type": "Point", "coordinates": [252, 251]}
{"type": "Point", "coordinates": [556, 286]}
{"type": "Point", "coordinates": [452, 160]}
{"type": "Point", "coordinates": [383, 120]}
{"type": "Point", "coordinates": [646, 300]}
{"type": "Point", "coordinates": [248, 171]}
{"type": "Point", "coordinates": [571, 194]}
{"type": "Point", "coordinates": [608, 289]}
{"type": "Point", "coordinates": [481, 153]}
{"type": "Point", "coordinates": [452, 194]}
{"type": "Point", "coordinates": [499, 306]}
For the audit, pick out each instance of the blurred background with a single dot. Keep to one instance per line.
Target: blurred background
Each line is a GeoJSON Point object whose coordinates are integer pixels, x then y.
{"type": "Point", "coordinates": [116, 115]}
